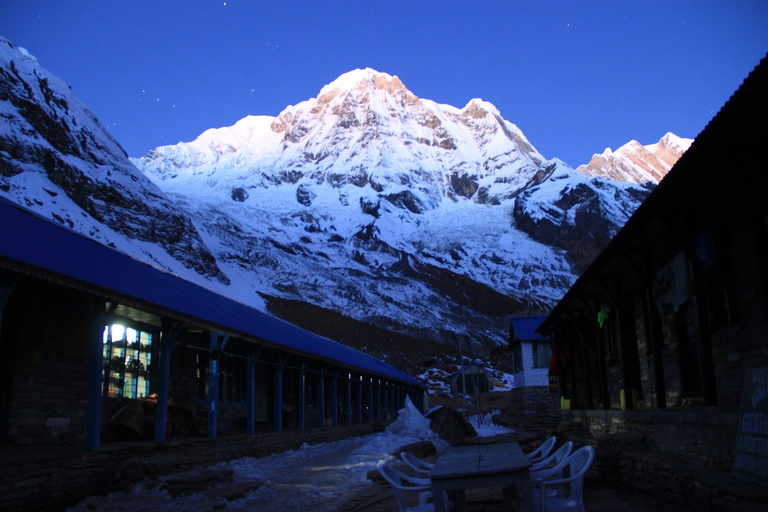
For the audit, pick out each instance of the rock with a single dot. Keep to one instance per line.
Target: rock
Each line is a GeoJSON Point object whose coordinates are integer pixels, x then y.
{"type": "Point", "coordinates": [450, 425]}
{"type": "Point", "coordinates": [304, 195]}
{"type": "Point", "coordinates": [239, 194]}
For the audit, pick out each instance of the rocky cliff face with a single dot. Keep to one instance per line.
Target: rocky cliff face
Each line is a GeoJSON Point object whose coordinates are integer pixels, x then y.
{"type": "Point", "coordinates": [577, 214]}
{"type": "Point", "coordinates": [57, 159]}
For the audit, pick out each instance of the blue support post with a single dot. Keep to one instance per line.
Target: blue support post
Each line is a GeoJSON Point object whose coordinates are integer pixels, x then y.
{"type": "Point", "coordinates": [170, 331]}
{"type": "Point", "coordinates": [95, 375]}
{"type": "Point", "coordinates": [302, 393]}
{"type": "Point", "coordinates": [387, 408]}
{"type": "Point", "coordinates": [349, 399]}
{"type": "Point", "coordinates": [360, 399]}
{"type": "Point", "coordinates": [378, 399]}
{"type": "Point", "coordinates": [321, 396]}
{"type": "Point", "coordinates": [335, 404]}
{"type": "Point", "coordinates": [279, 395]}
{"type": "Point", "coordinates": [395, 401]}
{"type": "Point", "coordinates": [253, 356]}
{"type": "Point", "coordinates": [392, 402]}
{"type": "Point", "coordinates": [218, 342]}
{"type": "Point", "coordinates": [370, 400]}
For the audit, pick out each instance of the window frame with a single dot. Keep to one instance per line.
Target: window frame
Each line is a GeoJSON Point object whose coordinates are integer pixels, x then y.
{"type": "Point", "coordinates": [117, 366]}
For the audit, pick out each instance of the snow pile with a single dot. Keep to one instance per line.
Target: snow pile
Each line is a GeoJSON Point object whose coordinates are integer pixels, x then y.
{"type": "Point", "coordinates": [410, 427]}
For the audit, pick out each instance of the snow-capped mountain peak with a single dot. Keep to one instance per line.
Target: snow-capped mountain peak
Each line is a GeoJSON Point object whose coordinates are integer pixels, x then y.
{"type": "Point", "coordinates": [636, 162]}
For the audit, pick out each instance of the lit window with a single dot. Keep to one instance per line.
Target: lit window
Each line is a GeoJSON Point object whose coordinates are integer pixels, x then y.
{"type": "Point", "coordinates": [127, 362]}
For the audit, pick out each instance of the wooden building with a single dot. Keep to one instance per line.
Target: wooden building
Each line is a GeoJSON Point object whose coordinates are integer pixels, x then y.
{"type": "Point", "coordinates": [96, 346]}
{"type": "Point", "coordinates": [662, 329]}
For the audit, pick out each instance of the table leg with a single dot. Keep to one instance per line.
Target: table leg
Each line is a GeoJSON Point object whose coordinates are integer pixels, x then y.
{"type": "Point", "coordinates": [526, 495]}
{"type": "Point", "coordinates": [437, 497]}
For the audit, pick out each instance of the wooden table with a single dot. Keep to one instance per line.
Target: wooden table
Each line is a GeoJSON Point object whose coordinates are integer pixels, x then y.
{"type": "Point", "coordinates": [491, 465]}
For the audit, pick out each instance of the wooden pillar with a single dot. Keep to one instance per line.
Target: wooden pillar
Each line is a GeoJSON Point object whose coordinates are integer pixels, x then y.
{"type": "Point", "coordinates": [706, 359]}
{"type": "Point", "coordinates": [601, 362]}
{"type": "Point", "coordinates": [626, 341]}
{"type": "Point", "coordinates": [378, 399]}
{"type": "Point", "coordinates": [8, 281]}
{"type": "Point", "coordinates": [250, 414]}
{"type": "Point", "coordinates": [170, 330]}
{"type": "Point", "coordinates": [321, 396]}
{"type": "Point", "coordinates": [218, 342]}
{"type": "Point", "coordinates": [302, 394]}
{"type": "Point", "coordinates": [584, 361]}
{"type": "Point", "coordinates": [279, 394]}
{"type": "Point", "coordinates": [102, 319]}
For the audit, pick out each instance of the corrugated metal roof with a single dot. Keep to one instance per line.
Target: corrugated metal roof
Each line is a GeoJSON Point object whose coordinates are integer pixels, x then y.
{"type": "Point", "coordinates": [525, 327]}
{"type": "Point", "coordinates": [59, 252]}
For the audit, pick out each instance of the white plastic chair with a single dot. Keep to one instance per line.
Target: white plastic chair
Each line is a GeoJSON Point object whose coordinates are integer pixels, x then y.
{"type": "Point", "coordinates": [550, 497]}
{"type": "Point", "coordinates": [541, 453]}
{"type": "Point", "coordinates": [553, 460]}
{"type": "Point", "coordinates": [420, 468]}
{"type": "Point", "coordinates": [402, 483]}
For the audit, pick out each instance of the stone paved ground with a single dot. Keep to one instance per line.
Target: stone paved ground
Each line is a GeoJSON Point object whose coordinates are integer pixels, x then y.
{"type": "Point", "coordinates": [381, 499]}
{"type": "Point", "coordinates": [378, 497]}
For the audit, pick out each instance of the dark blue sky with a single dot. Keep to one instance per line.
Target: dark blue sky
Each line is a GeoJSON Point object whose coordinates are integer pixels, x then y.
{"type": "Point", "coordinates": [576, 77]}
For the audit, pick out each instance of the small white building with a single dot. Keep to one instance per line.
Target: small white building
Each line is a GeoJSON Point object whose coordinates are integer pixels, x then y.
{"type": "Point", "coordinates": [530, 355]}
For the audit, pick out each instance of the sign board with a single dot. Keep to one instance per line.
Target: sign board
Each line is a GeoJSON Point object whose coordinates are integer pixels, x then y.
{"type": "Point", "coordinates": [751, 460]}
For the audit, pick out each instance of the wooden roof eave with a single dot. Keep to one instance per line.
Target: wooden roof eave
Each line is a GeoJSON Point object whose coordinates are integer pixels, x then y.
{"type": "Point", "coordinates": [666, 203]}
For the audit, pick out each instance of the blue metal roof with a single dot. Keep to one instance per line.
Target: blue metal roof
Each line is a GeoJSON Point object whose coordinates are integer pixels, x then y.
{"type": "Point", "coordinates": [34, 241]}
{"type": "Point", "coordinates": [525, 327]}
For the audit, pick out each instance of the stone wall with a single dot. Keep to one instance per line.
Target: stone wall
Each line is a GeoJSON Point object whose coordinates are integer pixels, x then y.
{"type": "Point", "coordinates": [45, 335]}
{"type": "Point", "coordinates": [697, 436]}
{"type": "Point", "coordinates": [676, 459]}
{"type": "Point", "coordinates": [534, 400]}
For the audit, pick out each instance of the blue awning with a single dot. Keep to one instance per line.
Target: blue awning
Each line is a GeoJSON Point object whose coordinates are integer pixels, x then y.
{"type": "Point", "coordinates": [525, 327]}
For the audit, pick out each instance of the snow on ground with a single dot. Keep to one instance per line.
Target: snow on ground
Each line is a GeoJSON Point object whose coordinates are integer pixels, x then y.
{"type": "Point", "coordinates": [313, 477]}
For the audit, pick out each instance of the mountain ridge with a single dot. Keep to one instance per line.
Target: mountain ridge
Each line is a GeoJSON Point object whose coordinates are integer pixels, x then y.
{"type": "Point", "coordinates": [425, 220]}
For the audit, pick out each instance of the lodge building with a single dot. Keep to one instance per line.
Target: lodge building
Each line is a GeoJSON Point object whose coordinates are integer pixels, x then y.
{"type": "Point", "coordinates": [668, 328]}
{"type": "Point", "coordinates": [98, 349]}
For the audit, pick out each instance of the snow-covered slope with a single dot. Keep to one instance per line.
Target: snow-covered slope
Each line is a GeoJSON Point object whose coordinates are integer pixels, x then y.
{"type": "Point", "coordinates": [58, 160]}
{"type": "Point", "coordinates": [637, 163]}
